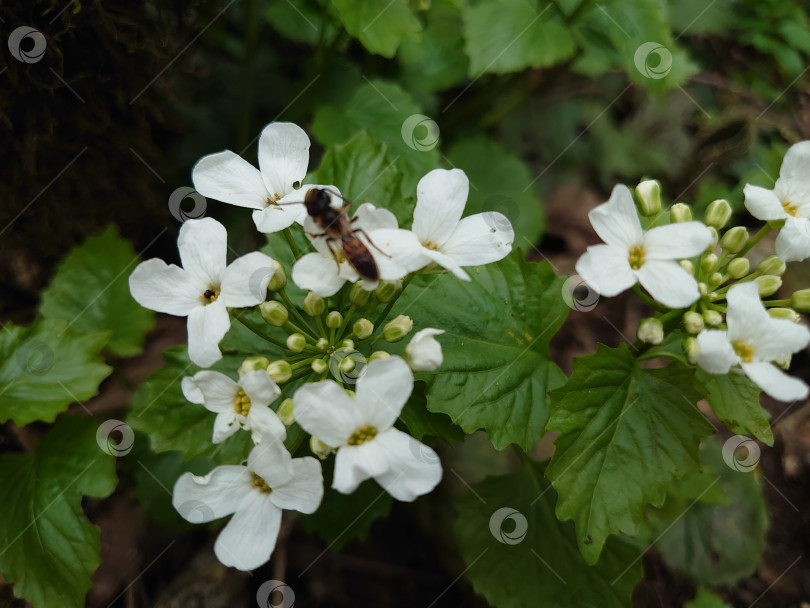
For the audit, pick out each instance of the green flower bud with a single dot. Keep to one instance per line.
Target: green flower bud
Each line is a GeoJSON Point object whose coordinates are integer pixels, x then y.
{"type": "Point", "coordinates": [279, 278]}
{"type": "Point", "coordinates": [650, 331]}
{"type": "Point", "coordinates": [286, 412]}
{"type": "Point", "coordinates": [334, 320]}
{"type": "Point", "coordinates": [693, 322]}
{"type": "Point", "coordinates": [319, 366]}
{"type": "Point", "coordinates": [346, 365]}
{"type": "Point", "coordinates": [718, 214]}
{"type": "Point", "coordinates": [692, 349]}
{"type": "Point", "coordinates": [708, 263]}
{"type": "Point", "coordinates": [359, 296]}
{"type": "Point", "coordinates": [800, 300]}
{"type": "Point", "coordinates": [713, 318]}
{"type": "Point", "coordinates": [274, 313]}
{"type": "Point", "coordinates": [319, 448]}
{"type": "Point", "coordinates": [322, 344]}
{"type": "Point", "coordinates": [347, 344]}
{"type": "Point", "coordinates": [702, 288]}
{"type": "Point", "coordinates": [715, 237]}
{"type": "Point", "coordinates": [296, 342]}
{"type": "Point", "coordinates": [715, 280]}
{"type": "Point", "coordinates": [688, 266]}
{"type": "Point", "coordinates": [314, 304]}
{"type": "Point", "coordinates": [680, 212]}
{"type": "Point", "coordinates": [279, 371]}
{"type": "Point", "coordinates": [734, 239]}
{"type": "Point", "coordinates": [363, 328]}
{"type": "Point", "coordinates": [648, 195]}
{"type": "Point", "coordinates": [388, 290]}
{"type": "Point", "coordinates": [378, 354]}
{"type": "Point", "coordinates": [785, 313]}
{"type": "Point", "coordinates": [772, 265]}
{"type": "Point", "coordinates": [738, 268]}
{"type": "Point", "coordinates": [397, 328]}
{"type": "Point", "coordinates": [783, 362]}
{"type": "Point", "coordinates": [768, 285]}
{"type": "Point", "coordinates": [252, 364]}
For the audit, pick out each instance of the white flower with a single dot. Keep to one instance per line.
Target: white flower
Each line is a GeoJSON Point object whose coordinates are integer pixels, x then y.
{"type": "Point", "coordinates": [321, 273]}
{"type": "Point", "coordinates": [256, 495]}
{"type": "Point", "coordinates": [243, 404]}
{"type": "Point", "coordinates": [752, 341]}
{"type": "Point", "coordinates": [790, 201]}
{"type": "Point", "coordinates": [362, 430]}
{"type": "Point", "coordinates": [632, 255]}
{"type": "Point", "coordinates": [424, 353]}
{"type": "Point", "coordinates": [204, 288]}
{"type": "Point", "coordinates": [283, 159]}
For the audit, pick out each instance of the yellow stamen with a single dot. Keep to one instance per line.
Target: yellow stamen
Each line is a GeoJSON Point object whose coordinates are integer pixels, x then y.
{"type": "Point", "coordinates": [636, 257]}
{"type": "Point", "coordinates": [432, 245]}
{"type": "Point", "coordinates": [790, 208]}
{"type": "Point", "coordinates": [260, 484]}
{"type": "Point", "coordinates": [744, 352]}
{"type": "Point", "coordinates": [363, 434]}
{"type": "Point", "coordinates": [241, 403]}
{"type": "Point", "coordinates": [210, 294]}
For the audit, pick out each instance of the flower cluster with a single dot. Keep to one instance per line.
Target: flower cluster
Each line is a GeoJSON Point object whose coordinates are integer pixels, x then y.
{"type": "Point", "coordinates": [700, 280]}
{"type": "Point", "coordinates": [336, 330]}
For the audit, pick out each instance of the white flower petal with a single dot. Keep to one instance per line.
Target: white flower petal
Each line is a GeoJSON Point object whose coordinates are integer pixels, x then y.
{"type": "Point", "coordinates": [606, 268]}
{"type": "Point", "coordinates": [667, 282]}
{"type": "Point", "coordinates": [445, 261]}
{"type": "Point", "coordinates": [245, 280]}
{"type": "Point", "coordinates": [794, 170]}
{"type": "Point", "coordinates": [441, 196]}
{"type": "Point", "coordinates": [677, 241]}
{"type": "Point", "coordinates": [275, 218]}
{"type": "Point", "coordinates": [403, 252]}
{"type": "Point", "coordinates": [793, 242]}
{"type": "Point", "coordinates": [229, 178]}
{"type": "Point", "coordinates": [356, 463]}
{"type": "Point", "coordinates": [158, 286]}
{"type": "Point", "coordinates": [775, 382]}
{"type": "Point", "coordinates": [225, 425]}
{"type": "Point", "coordinates": [191, 391]}
{"type": "Point", "coordinates": [218, 390]}
{"type": "Point", "coordinates": [763, 204]}
{"type": "Point", "coordinates": [304, 490]}
{"type": "Point", "coordinates": [423, 351]}
{"type": "Point", "coordinates": [207, 325]}
{"type": "Point", "coordinates": [746, 316]}
{"type": "Point", "coordinates": [200, 499]}
{"type": "Point", "coordinates": [368, 217]}
{"type": "Point", "coordinates": [314, 272]}
{"type": "Point", "coordinates": [716, 353]}
{"type": "Point", "coordinates": [248, 540]}
{"type": "Point", "coordinates": [259, 387]}
{"type": "Point", "coordinates": [271, 461]}
{"type": "Point", "coordinates": [382, 390]}
{"type": "Point", "coordinates": [283, 157]}
{"type": "Point", "coordinates": [480, 239]}
{"type": "Point", "coordinates": [324, 410]}
{"type": "Point", "coordinates": [265, 425]}
{"type": "Point", "coordinates": [778, 338]}
{"type": "Point", "coordinates": [203, 248]}
{"type": "Point", "coordinates": [616, 221]}
{"type": "Point", "coordinates": [414, 468]}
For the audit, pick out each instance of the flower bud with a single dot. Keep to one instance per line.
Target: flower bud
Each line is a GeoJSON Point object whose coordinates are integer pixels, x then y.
{"type": "Point", "coordinates": [319, 448]}
{"type": "Point", "coordinates": [347, 344]}
{"type": "Point", "coordinates": [286, 412]}
{"type": "Point", "coordinates": [363, 328]}
{"type": "Point", "coordinates": [734, 239]}
{"type": "Point", "coordinates": [319, 366]}
{"type": "Point", "coordinates": [772, 265]}
{"type": "Point", "coordinates": [650, 331]}
{"type": "Point", "coordinates": [322, 344]}
{"type": "Point", "coordinates": [718, 214]}
{"type": "Point", "coordinates": [279, 278]}
{"type": "Point", "coordinates": [715, 237]}
{"type": "Point", "coordinates": [800, 300]}
{"type": "Point", "coordinates": [279, 371]}
{"type": "Point", "coordinates": [314, 304]}
{"type": "Point", "coordinates": [680, 212]}
{"type": "Point", "coordinates": [648, 195]}
{"type": "Point", "coordinates": [346, 365]}
{"type": "Point", "coordinates": [359, 296]}
{"type": "Point", "coordinates": [388, 290]}
{"type": "Point", "coordinates": [688, 266]}
{"type": "Point", "coordinates": [296, 342]}
{"type": "Point", "coordinates": [768, 285]}
{"type": "Point", "coordinates": [785, 313]}
{"type": "Point", "coordinates": [738, 268]}
{"type": "Point", "coordinates": [714, 281]}
{"type": "Point", "coordinates": [708, 263]}
{"type": "Point", "coordinates": [692, 349]}
{"type": "Point", "coordinates": [783, 362]}
{"type": "Point", "coordinates": [693, 322]}
{"type": "Point", "coordinates": [424, 353]}
{"type": "Point", "coordinates": [397, 328]}
{"type": "Point", "coordinates": [713, 318]}
{"type": "Point", "coordinates": [274, 313]}
{"type": "Point", "coordinates": [334, 320]}
{"type": "Point", "coordinates": [702, 288]}
{"type": "Point", "coordinates": [252, 364]}
{"type": "Point", "coordinates": [379, 354]}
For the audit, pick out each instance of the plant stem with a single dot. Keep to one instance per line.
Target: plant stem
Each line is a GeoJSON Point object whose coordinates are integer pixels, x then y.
{"type": "Point", "coordinates": [260, 332]}
{"type": "Point", "coordinates": [390, 305]}
{"type": "Point", "coordinates": [754, 240]}
{"type": "Point", "coordinates": [291, 242]}
{"type": "Point", "coordinates": [647, 299]}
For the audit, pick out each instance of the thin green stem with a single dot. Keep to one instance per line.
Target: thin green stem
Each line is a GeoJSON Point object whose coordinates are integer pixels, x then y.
{"type": "Point", "coordinates": [260, 332]}
{"type": "Point", "coordinates": [291, 242]}
{"type": "Point", "coordinates": [777, 302]}
{"type": "Point", "coordinates": [292, 307]}
{"type": "Point", "coordinates": [754, 240]}
{"type": "Point", "coordinates": [647, 299]}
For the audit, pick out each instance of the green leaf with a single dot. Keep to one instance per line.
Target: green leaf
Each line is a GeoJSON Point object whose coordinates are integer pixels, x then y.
{"type": "Point", "coordinates": [302, 21]}
{"type": "Point", "coordinates": [735, 401]}
{"type": "Point", "coordinates": [45, 368]}
{"type": "Point", "coordinates": [706, 599]}
{"type": "Point", "coordinates": [91, 292]}
{"type": "Point", "coordinates": [497, 369]}
{"type": "Point", "coordinates": [506, 36]}
{"type": "Point", "coordinates": [345, 517]}
{"type": "Point", "coordinates": [624, 434]}
{"type": "Point", "coordinates": [499, 179]}
{"type": "Point", "coordinates": [421, 422]}
{"type": "Point", "coordinates": [50, 550]}
{"type": "Point", "coordinates": [544, 568]}
{"type": "Point", "coordinates": [381, 25]}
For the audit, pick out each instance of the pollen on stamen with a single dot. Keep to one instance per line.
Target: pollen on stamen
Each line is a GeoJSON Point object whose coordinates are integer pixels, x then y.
{"type": "Point", "coordinates": [790, 208]}
{"type": "Point", "coordinates": [241, 403]}
{"type": "Point", "coordinates": [363, 434]}
{"type": "Point", "coordinates": [210, 294]}
{"type": "Point", "coordinates": [636, 257]}
{"type": "Point", "coordinates": [744, 351]}
{"type": "Point", "coordinates": [260, 484]}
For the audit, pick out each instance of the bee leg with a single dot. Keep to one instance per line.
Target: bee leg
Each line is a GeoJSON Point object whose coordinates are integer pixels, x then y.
{"type": "Point", "coordinates": [329, 242]}
{"type": "Point", "coordinates": [315, 236]}
{"type": "Point", "coordinates": [365, 234]}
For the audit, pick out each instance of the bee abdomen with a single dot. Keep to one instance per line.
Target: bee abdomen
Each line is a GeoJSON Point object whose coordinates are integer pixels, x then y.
{"type": "Point", "coordinates": [358, 255]}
